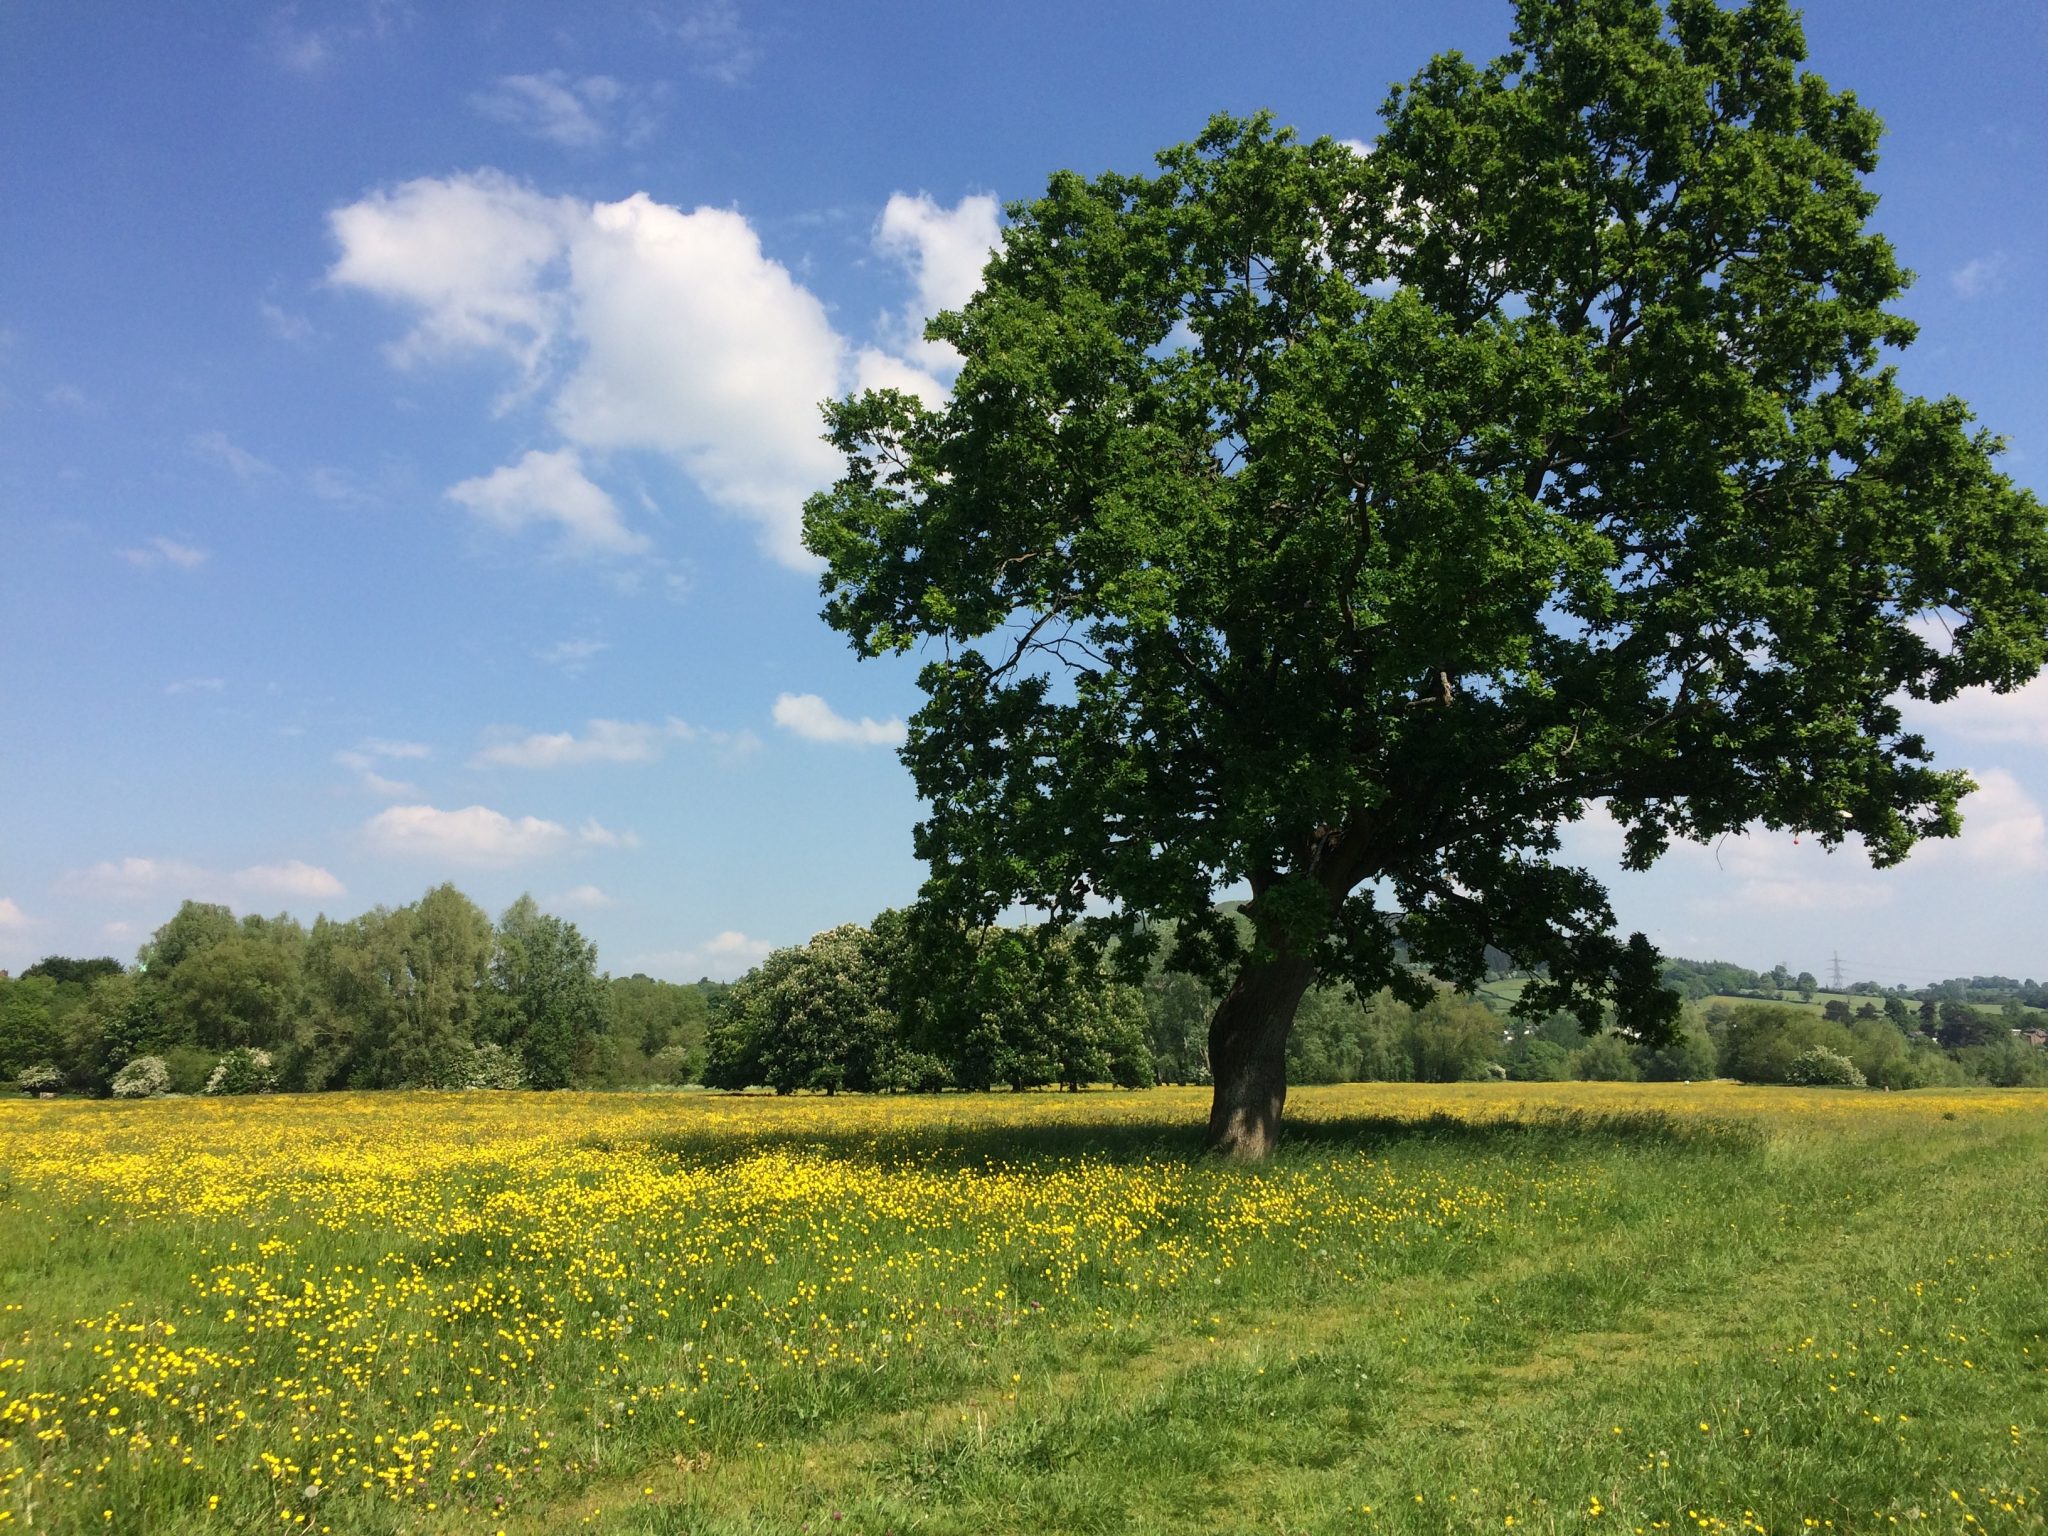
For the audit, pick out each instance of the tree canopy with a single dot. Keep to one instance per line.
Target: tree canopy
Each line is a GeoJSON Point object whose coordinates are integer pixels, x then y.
{"type": "Point", "coordinates": [1343, 525]}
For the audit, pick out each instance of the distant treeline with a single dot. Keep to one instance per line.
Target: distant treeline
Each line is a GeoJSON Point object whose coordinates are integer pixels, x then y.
{"type": "Point", "coordinates": [433, 994]}
{"type": "Point", "coordinates": [874, 1008]}
{"type": "Point", "coordinates": [1886, 1043]}
{"type": "Point", "coordinates": [437, 995]}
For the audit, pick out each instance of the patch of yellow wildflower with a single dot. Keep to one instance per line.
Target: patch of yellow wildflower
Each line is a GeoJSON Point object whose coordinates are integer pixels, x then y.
{"type": "Point", "coordinates": [426, 1298]}
{"type": "Point", "coordinates": [275, 1309]}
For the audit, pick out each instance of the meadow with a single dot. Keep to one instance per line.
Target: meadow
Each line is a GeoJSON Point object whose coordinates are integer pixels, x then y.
{"type": "Point", "coordinates": [1491, 1307]}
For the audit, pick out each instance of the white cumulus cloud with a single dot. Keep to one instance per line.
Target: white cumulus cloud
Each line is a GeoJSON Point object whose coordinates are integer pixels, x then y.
{"type": "Point", "coordinates": [1758, 869]}
{"type": "Point", "coordinates": [809, 716]}
{"type": "Point", "coordinates": [293, 880]}
{"type": "Point", "coordinates": [876, 369]}
{"type": "Point", "coordinates": [700, 347]}
{"type": "Point", "coordinates": [12, 918]}
{"type": "Point", "coordinates": [1978, 714]}
{"type": "Point", "coordinates": [585, 898]}
{"type": "Point", "coordinates": [2004, 829]}
{"type": "Point", "coordinates": [469, 254]}
{"type": "Point", "coordinates": [649, 329]}
{"type": "Point", "coordinates": [475, 835]}
{"type": "Point", "coordinates": [944, 250]}
{"type": "Point", "coordinates": [550, 489]}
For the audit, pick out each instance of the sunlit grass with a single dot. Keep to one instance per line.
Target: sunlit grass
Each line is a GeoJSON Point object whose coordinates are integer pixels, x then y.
{"type": "Point", "coordinates": [1544, 1307]}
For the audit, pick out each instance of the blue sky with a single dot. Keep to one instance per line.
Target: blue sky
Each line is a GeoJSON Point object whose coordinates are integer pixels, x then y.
{"type": "Point", "coordinates": [404, 412]}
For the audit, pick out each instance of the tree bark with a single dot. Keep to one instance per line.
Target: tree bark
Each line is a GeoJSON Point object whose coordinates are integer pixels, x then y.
{"type": "Point", "coordinates": [1248, 1055]}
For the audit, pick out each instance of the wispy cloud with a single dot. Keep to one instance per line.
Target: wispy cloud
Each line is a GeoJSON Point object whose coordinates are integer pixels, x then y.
{"type": "Point", "coordinates": [137, 879]}
{"type": "Point", "coordinates": [284, 324]}
{"type": "Point", "coordinates": [12, 918]}
{"type": "Point", "coordinates": [574, 113]}
{"type": "Point", "coordinates": [338, 487]}
{"type": "Point", "coordinates": [162, 551]}
{"type": "Point", "coordinates": [714, 38]}
{"type": "Point", "coordinates": [383, 746]}
{"type": "Point", "coordinates": [133, 878]}
{"type": "Point", "coordinates": [69, 397]}
{"type": "Point", "coordinates": [363, 758]}
{"type": "Point", "coordinates": [1975, 279]}
{"type": "Point", "coordinates": [572, 657]}
{"type": "Point", "coordinates": [219, 448]}
{"type": "Point", "coordinates": [582, 898]}
{"type": "Point", "coordinates": [304, 46]}
{"type": "Point", "coordinates": [196, 685]}
{"type": "Point", "coordinates": [602, 741]}
{"type": "Point", "coordinates": [597, 835]}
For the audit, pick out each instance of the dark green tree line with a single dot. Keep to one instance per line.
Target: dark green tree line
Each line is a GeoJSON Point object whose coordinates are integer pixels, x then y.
{"type": "Point", "coordinates": [432, 994]}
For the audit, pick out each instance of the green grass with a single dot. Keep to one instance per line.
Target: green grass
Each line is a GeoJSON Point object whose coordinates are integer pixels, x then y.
{"type": "Point", "coordinates": [1485, 1308]}
{"type": "Point", "coordinates": [1715, 1337]}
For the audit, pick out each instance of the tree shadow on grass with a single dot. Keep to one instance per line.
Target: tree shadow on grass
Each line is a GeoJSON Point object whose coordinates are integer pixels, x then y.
{"type": "Point", "coordinates": [1172, 1137]}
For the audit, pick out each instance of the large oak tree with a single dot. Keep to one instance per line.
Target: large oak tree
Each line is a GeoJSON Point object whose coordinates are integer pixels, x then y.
{"type": "Point", "coordinates": [1344, 524]}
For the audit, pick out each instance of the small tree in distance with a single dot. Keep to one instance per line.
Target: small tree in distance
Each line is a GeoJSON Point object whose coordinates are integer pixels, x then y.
{"type": "Point", "coordinates": [1344, 525]}
{"type": "Point", "coordinates": [552, 999]}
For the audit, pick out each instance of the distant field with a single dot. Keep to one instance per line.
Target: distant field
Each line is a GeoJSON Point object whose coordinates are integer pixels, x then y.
{"type": "Point", "coordinates": [1855, 1000]}
{"type": "Point", "coordinates": [1486, 1307]}
{"type": "Point", "coordinates": [1502, 994]}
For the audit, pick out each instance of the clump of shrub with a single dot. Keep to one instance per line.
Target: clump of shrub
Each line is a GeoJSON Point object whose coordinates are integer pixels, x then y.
{"type": "Point", "coordinates": [492, 1066]}
{"type": "Point", "coordinates": [242, 1070]}
{"type": "Point", "coordinates": [40, 1079]}
{"type": "Point", "coordinates": [146, 1077]}
{"type": "Point", "coordinates": [674, 1064]}
{"type": "Point", "coordinates": [189, 1068]}
{"type": "Point", "coordinates": [1819, 1067]}
{"type": "Point", "coordinates": [1606, 1059]}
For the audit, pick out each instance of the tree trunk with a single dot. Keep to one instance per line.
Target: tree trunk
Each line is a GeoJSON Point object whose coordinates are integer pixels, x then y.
{"type": "Point", "coordinates": [1248, 1055]}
